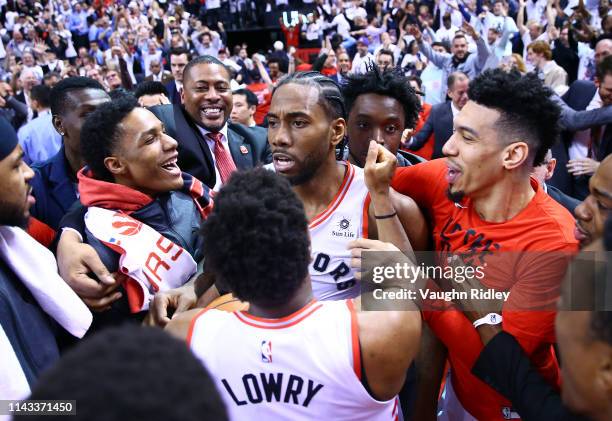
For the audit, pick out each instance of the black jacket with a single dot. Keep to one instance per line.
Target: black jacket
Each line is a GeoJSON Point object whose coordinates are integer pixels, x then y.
{"type": "Point", "coordinates": [247, 147]}
{"type": "Point", "coordinates": [504, 366]}
{"type": "Point", "coordinates": [440, 123]}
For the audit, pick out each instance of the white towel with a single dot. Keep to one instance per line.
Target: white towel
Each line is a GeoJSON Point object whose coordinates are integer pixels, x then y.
{"type": "Point", "coordinates": [13, 382]}
{"type": "Point", "coordinates": [36, 267]}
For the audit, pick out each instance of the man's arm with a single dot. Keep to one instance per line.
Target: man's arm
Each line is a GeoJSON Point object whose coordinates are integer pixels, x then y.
{"type": "Point", "coordinates": [505, 367]}
{"type": "Point", "coordinates": [430, 363]}
{"type": "Point", "coordinates": [438, 59]}
{"type": "Point", "coordinates": [573, 120]}
{"type": "Point", "coordinates": [419, 139]}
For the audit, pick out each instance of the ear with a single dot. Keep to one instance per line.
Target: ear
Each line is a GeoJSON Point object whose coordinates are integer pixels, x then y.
{"type": "Point", "coordinates": [57, 124]}
{"type": "Point", "coordinates": [338, 128]}
{"type": "Point", "coordinates": [550, 168]}
{"type": "Point", "coordinates": [114, 165]}
{"type": "Point", "coordinates": [515, 155]}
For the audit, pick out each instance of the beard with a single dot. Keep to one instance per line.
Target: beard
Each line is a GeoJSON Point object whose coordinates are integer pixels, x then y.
{"type": "Point", "coordinates": [310, 166]}
{"type": "Point", "coordinates": [456, 197]}
{"type": "Point", "coordinates": [13, 215]}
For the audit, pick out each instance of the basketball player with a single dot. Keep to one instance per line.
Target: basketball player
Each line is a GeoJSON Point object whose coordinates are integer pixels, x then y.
{"type": "Point", "coordinates": [306, 122]}
{"type": "Point", "coordinates": [290, 356]}
{"type": "Point", "coordinates": [483, 204]}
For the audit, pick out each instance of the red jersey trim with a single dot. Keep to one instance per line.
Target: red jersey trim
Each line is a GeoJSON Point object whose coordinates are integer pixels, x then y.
{"type": "Point", "coordinates": [355, 340]}
{"type": "Point", "coordinates": [281, 323]}
{"type": "Point", "coordinates": [365, 217]}
{"type": "Point", "coordinates": [333, 205]}
{"type": "Point", "coordinates": [192, 326]}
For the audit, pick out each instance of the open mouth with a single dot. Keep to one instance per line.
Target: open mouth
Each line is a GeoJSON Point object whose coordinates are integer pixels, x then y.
{"type": "Point", "coordinates": [212, 112]}
{"type": "Point", "coordinates": [282, 162]}
{"type": "Point", "coordinates": [580, 234]}
{"type": "Point", "coordinates": [452, 174]}
{"type": "Point", "coordinates": [171, 166]}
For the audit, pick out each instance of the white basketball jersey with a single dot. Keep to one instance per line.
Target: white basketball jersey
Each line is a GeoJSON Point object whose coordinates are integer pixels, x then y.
{"type": "Point", "coordinates": [305, 366]}
{"type": "Point", "coordinates": [344, 220]}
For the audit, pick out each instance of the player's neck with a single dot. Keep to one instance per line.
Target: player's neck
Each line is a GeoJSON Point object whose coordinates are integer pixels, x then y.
{"type": "Point", "coordinates": [298, 301]}
{"type": "Point", "coordinates": [317, 193]}
{"type": "Point", "coordinates": [504, 200]}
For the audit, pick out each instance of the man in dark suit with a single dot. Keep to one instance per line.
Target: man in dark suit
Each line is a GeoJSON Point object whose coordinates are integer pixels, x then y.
{"type": "Point", "coordinates": [440, 121]}
{"type": "Point", "coordinates": [158, 74]}
{"type": "Point", "coordinates": [210, 147]}
{"type": "Point", "coordinates": [179, 57]}
{"type": "Point", "coordinates": [543, 173]}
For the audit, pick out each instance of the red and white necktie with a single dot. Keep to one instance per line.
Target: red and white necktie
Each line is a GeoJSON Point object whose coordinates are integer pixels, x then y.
{"type": "Point", "coordinates": [223, 159]}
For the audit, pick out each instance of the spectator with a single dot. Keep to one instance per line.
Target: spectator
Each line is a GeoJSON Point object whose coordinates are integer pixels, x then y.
{"type": "Point", "coordinates": [38, 138]}
{"type": "Point", "coordinates": [440, 121]}
{"type": "Point", "coordinates": [363, 60]}
{"type": "Point", "coordinates": [178, 60]}
{"type": "Point", "coordinates": [157, 74]}
{"type": "Point", "coordinates": [460, 59]}
{"type": "Point", "coordinates": [553, 75]}
{"type": "Point", "coordinates": [150, 93]}
{"type": "Point", "coordinates": [243, 110]}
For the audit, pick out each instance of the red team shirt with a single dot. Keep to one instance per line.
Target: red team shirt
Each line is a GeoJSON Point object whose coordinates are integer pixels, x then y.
{"type": "Point", "coordinates": [533, 280]}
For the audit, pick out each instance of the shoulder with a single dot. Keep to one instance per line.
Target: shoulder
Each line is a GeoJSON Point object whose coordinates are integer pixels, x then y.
{"type": "Point", "coordinates": [556, 224]}
{"type": "Point", "coordinates": [181, 325]}
{"type": "Point", "coordinates": [250, 135]}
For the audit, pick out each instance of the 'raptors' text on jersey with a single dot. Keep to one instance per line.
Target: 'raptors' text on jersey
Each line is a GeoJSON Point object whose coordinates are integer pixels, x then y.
{"type": "Point", "coordinates": [345, 219]}
{"type": "Point", "coordinates": [305, 366]}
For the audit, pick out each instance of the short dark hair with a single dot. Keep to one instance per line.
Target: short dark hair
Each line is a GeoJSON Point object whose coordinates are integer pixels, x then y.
{"type": "Point", "coordinates": [604, 68]}
{"type": "Point", "coordinates": [59, 93]}
{"type": "Point", "coordinates": [150, 87]}
{"type": "Point", "coordinates": [143, 374]}
{"type": "Point", "coordinates": [417, 79]}
{"type": "Point", "coordinates": [260, 221]}
{"type": "Point", "coordinates": [440, 44]}
{"type": "Point", "coordinates": [526, 109]}
{"type": "Point", "coordinates": [390, 83]}
{"type": "Point", "coordinates": [100, 134]}
{"type": "Point", "coordinates": [42, 95]}
{"type": "Point", "coordinates": [178, 51]}
{"type": "Point", "coordinates": [204, 60]}
{"type": "Point", "coordinates": [50, 75]}
{"type": "Point", "coordinates": [388, 53]}
{"type": "Point", "coordinates": [452, 78]}
{"type": "Point", "coordinates": [330, 96]}
{"type": "Point", "coordinates": [274, 60]}
{"type": "Point", "coordinates": [251, 98]}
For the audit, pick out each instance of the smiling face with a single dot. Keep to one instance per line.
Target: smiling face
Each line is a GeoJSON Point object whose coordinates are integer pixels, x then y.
{"type": "Point", "coordinates": [460, 47]}
{"type": "Point", "coordinates": [301, 134]}
{"type": "Point", "coordinates": [145, 157]}
{"type": "Point", "coordinates": [474, 153]}
{"type": "Point", "coordinates": [207, 95]}
{"type": "Point", "coordinates": [15, 197]}
{"type": "Point", "coordinates": [592, 213]}
{"type": "Point", "coordinates": [366, 122]}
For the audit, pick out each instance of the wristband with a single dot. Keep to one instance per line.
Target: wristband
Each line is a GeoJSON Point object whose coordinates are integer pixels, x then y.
{"type": "Point", "coordinates": [391, 215]}
{"type": "Point", "coordinates": [489, 319]}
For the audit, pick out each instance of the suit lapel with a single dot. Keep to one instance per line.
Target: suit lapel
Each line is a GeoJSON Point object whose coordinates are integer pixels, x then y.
{"type": "Point", "coordinates": [241, 151]}
{"type": "Point", "coordinates": [191, 137]}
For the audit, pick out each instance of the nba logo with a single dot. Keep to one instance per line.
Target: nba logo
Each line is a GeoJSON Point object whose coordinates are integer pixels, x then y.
{"type": "Point", "coordinates": [266, 351]}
